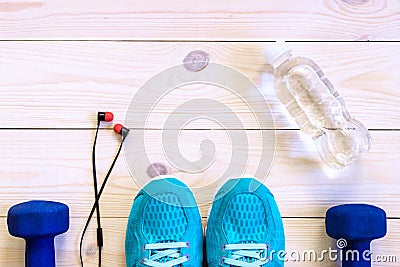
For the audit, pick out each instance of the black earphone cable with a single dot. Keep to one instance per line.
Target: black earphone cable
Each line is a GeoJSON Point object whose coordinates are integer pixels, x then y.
{"type": "Point", "coordinates": [95, 204]}
{"type": "Point", "coordinates": [96, 195]}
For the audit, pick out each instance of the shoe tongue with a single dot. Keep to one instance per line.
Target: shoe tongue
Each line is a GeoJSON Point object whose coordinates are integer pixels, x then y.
{"type": "Point", "coordinates": [166, 259]}
{"type": "Point", "coordinates": [248, 259]}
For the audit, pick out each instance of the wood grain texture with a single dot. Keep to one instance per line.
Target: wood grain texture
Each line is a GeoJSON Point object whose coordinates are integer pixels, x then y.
{"type": "Point", "coordinates": [56, 165]}
{"type": "Point", "coordinates": [62, 84]}
{"type": "Point", "coordinates": [301, 235]}
{"type": "Point", "coordinates": [56, 87]}
{"type": "Point", "coordinates": [59, 87]}
{"type": "Point", "coordinates": [205, 20]}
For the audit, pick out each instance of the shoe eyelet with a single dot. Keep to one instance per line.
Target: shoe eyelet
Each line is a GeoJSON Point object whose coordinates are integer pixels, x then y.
{"type": "Point", "coordinates": [143, 248]}
{"type": "Point", "coordinates": [223, 247]}
{"type": "Point", "coordinates": [142, 260]}
{"type": "Point", "coordinates": [187, 244]}
{"type": "Point", "coordinates": [222, 259]}
{"type": "Point", "coordinates": [188, 257]}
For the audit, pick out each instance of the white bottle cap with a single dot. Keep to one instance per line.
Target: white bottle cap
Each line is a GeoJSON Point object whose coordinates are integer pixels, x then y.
{"type": "Point", "coordinates": [274, 51]}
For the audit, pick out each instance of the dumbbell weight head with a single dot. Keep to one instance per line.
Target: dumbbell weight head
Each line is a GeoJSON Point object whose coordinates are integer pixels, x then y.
{"type": "Point", "coordinates": [38, 222]}
{"type": "Point", "coordinates": [358, 224]}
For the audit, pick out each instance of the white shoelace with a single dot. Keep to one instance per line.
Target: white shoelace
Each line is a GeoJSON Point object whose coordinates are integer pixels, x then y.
{"type": "Point", "coordinates": [242, 251]}
{"type": "Point", "coordinates": [161, 250]}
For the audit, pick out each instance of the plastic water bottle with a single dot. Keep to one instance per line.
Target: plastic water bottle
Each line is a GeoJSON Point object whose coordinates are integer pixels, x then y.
{"type": "Point", "coordinates": [317, 108]}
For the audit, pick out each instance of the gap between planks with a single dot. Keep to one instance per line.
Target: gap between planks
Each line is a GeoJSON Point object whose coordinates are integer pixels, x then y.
{"type": "Point", "coordinates": [161, 129]}
{"type": "Point", "coordinates": [199, 41]}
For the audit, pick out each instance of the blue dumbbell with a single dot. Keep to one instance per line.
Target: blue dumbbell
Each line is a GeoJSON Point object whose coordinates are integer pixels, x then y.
{"type": "Point", "coordinates": [38, 222]}
{"type": "Point", "coordinates": [358, 225]}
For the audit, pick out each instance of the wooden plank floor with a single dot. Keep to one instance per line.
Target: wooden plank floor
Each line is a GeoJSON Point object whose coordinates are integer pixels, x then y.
{"type": "Point", "coordinates": [52, 91]}
{"type": "Point", "coordinates": [61, 63]}
{"type": "Point", "coordinates": [301, 235]}
{"type": "Point", "coordinates": [37, 163]}
{"type": "Point", "coordinates": [63, 83]}
{"type": "Point", "coordinates": [205, 20]}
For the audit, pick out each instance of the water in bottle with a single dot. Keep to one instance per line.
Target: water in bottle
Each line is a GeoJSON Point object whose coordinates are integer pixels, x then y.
{"type": "Point", "coordinates": [317, 107]}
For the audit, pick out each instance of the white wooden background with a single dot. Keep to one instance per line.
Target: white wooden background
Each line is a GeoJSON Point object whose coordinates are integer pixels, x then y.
{"type": "Point", "coordinates": [61, 62]}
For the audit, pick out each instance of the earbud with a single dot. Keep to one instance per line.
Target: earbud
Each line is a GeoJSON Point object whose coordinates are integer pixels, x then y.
{"type": "Point", "coordinates": [122, 130]}
{"type": "Point", "coordinates": [105, 116]}
{"type": "Point", "coordinates": [118, 128]}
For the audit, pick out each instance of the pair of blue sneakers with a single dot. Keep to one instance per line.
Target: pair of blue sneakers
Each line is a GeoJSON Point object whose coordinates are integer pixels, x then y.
{"type": "Point", "coordinates": [165, 229]}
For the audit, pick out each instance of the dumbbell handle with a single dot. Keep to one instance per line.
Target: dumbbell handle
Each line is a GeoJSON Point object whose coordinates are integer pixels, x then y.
{"type": "Point", "coordinates": [40, 252]}
{"type": "Point", "coordinates": [351, 258]}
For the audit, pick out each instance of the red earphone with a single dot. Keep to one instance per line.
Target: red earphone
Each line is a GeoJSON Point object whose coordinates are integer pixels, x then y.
{"type": "Point", "coordinates": [118, 128]}
{"type": "Point", "coordinates": [105, 116]}
{"type": "Point", "coordinates": [122, 130]}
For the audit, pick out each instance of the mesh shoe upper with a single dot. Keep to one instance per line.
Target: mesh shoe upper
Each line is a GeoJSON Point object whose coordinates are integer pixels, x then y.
{"type": "Point", "coordinates": [245, 211]}
{"type": "Point", "coordinates": [164, 227]}
{"type": "Point", "coordinates": [163, 222]}
{"type": "Point", "coordinates": [244, 226]}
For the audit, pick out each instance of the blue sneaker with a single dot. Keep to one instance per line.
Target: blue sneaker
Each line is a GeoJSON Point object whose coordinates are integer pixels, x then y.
{"type": "Point", "coordinates": [164, 227]}
{"type": "Point", "coordinates": [244, 227]}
